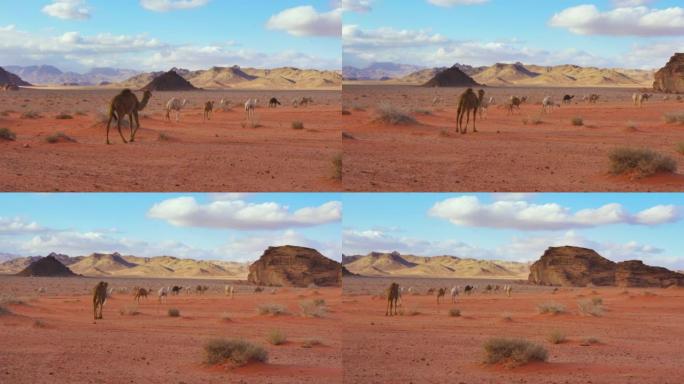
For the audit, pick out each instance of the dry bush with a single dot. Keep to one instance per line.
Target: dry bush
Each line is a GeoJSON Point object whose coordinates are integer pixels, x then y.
{"type": "Point", "coordinates": [311, 343]}
{"type": "Point", "coordinates": [577, 121]}
{"type": "Point", "coordinates": [297, 125]}
{"type": "Point", "coordinates": [239, 352]}
{"type": "Point", "coordinates": [64, 116]}
{"type": "Point", "coordinates": [59, 136]}
{"type": "Point", "coordinates": [454, 312]}
{"type": "Point", "coordinates": [590, 307]}
{"type": "Point", "coordinates": [556, 337]}
{"type": "Point", "coordinates": [313, 308]}
{"type": "Point", "coordinates": [644, 162]}
{"type": "Point", "coordinates": [337, 167]}
{"type": "Point", "coordinates": [348, 136]}
{"type": "Point", "coordinates": [513, 352]}
{"type": "Point", "coordinates": [506, 317]}
{"type": "Point", "coordinates": [11, 299]}
{"type": "Point", "coordinates": [533, 120]}
{"type": "Point", "coordinates": [4, 311]}
{"type": "Point", "coordinates": [174, 312]}
{"type": "Point", "coordinates": [276, 337]}
{"type": "Point", "coordinates": [590, 341]}
{"type": "Point", "coordinates": [551, 307]}
{"type": "Point", "coordinates": [680, 147]}
{"type": "Point", "coordinates": [358, 107]}
{"type": "Point", "coordinates": [272, 309]}
{"type": "Point", "coordinates": [389, 114]}
{"type": "Point", "coordinates": [7, 134]}
{"type": "Point", "coordinates": [31, 115]}
{"type": "Point", "coordinates": [225, 316]}
{"type": "Point", "coordinates": [674, 117]}
{"type": "Point", "coordinates": [163, 137]}
{"type": "Point", "coordinates": [597, 300]}
{"type": "Point", "coordinates": [39, 324]}
{"type": "Point", "coordinates": [129, 311]}
{"type": "Point", "coordinates": [421, 111]}
{"type": "Point", "coordinates": [346, 112]}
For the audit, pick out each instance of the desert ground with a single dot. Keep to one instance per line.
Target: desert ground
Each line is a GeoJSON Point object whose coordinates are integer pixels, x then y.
{"type": "Point", "coordinates": [53, 337]}
{"type": "Point", "coordinates": [228, 152]}
{"type": "Point", "coordinates": [633, 339]}
{"type": "Point", "coordinates": [524, 151]}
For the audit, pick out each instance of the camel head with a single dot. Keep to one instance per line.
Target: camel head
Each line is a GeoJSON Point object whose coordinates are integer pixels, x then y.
{"type": "Point", "coordinates": [480, 94]}
{"type": "Point", "coordinates": [146, 98]}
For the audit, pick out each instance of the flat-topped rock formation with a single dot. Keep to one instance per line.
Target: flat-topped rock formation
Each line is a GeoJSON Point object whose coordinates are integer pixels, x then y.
{"type": "Point", "coordinates": [670, 78]}
{"type": "Point", "coordinates": [293, 266]}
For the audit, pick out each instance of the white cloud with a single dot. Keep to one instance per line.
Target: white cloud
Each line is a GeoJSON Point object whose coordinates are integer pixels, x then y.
{"type": "Point", "coordinates": [68, 9]}
{"type": "Point", "coordinates": [359, 6]}
{"type": "Point", "coordinates": [238, 214]}
{"type": "Point", "coordinates": [18, 226]}
{"type": "Point", "coordinates": [451, 3]}
{"type": "Point", "coordinates": [630, 3]}
{"type": "Point", "coordinates": [365, 241]}
{"type": "Point", "coordinates": [169, 5]}
{"type": "Point", "coordinates": [249, 248]}
{"type": "Point", "coordinates": [354, 37]}
{"type": "Point", "coordinates": [306, 21]}
{"type": "Point", "coordinates": [624, 21]}
{"type": "Point", "coordinates": [522, 215]}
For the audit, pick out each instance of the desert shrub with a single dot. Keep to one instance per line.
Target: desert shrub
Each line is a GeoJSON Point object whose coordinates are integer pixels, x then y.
{"type": "Point", "coordinates": [389, 114]}
{"type": "Point", "coordinates": [589, 307]}
{"type": "Point", "coordinates": [577, 121]}
{"type": "Point", "coordinates": [313, 308]}
{"type": "Point", "coordinates": [297, 125]}
{"type": "Point", "coordinates": [311, 343]}
{"type": "Point", "coordinates": [590, 341]}
{"type": "Point", "coordinates": [129, 311]}
{"type": "Point", "coordinates": [346, 112]}
{"type": "Point", "coordinates": [551, 307]}
{"type": "Point", "coordinates": [533, 120]}
{"type": "Point", "coordinates": [631, 125]}
{"type": "Point", "coordinates": [409, 312]}
{"type": "Point", "coordinates": [649, 294]}
{"type": "Point", "coordinates": [513, 352]}
{"type": "Point", "coordinates": [239, 352]}
{"type": "Point", "coordinates": [506, 317]}
{"type": "Point", "coordinates": [454, 312]}
{"type": "Point", "coordinates": [4, 311]}
{"type": "Point", "coordinates": [556, 337]}
{"type": "Point", "coordinates": [358, 107]}
{"type": "Point", "coordinates": [39, 324]}
{"type": "Point", "coordinates": [444, 133]}
{"type": "Point", "coordinates": [80, 113]}
{"type": "Point", "coordinates": [674, 117]}
{"type": "Point", "coordinates": [7, 134]}
{"type": "Point", "coordinates": [680, 147]}
{"type": "Point", "coordinates": [11, 299]}
{"type": "Point", "coordinates": [31, 115]}
{"type": "Point", "coordinates": [272, 309]}
{"type": "Point", "coordinates": [174, 312]}
{"type": "Point", "coordinates": [64, 116]}
{"type": "Point", "coordinates": [337, 167]}
{"type": "Point", "coordinates": [424, 112]}
{"type": "Point", "coordinates": [59, 136]}
{"type": "Point", "coordinates": [348, 136]}
{"type": "Point", "coordinates": [225, 316]}
{"type": "Point", "coordinates": [644, 162]}
{"type": "Point", "coordinates": [163, 137]}
{"type": "Point", "coordinates": [597, 300]}
{"type": "Point", "coordinates": [276, 337]}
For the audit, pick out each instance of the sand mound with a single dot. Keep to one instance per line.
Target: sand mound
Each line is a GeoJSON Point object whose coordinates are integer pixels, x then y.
{"type": "Point", "coordinates": [294, 266]}
{"type": "Point", "coordinates": [47, 266]}
{"type": "Point", "coordinates": [451, 77]}
{"type": "Point", "coordinates": [169, 81]}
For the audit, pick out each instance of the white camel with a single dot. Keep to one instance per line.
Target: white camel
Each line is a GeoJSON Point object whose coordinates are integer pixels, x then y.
{"type": "Point", "coordinates": [436, 100]}
{"type": "Point", "coordinates": [508, 289]}
{"type": "Point", "coordinates": [547, 104]}
{"type": "Point", "coordinates": [175, 105]}
{"type": "Point", "coordinates": [640, 98]}
{"type": "Point", "coordinates": [163, 294]}
{"type": "Point", "coordinates": [250, 107]}
{"type": "Point", "coordinates": [229, 290]}
{"type": "Point", "coordinates": [454, 293]}
{"type": "Point", "coordinates": [483, 108]}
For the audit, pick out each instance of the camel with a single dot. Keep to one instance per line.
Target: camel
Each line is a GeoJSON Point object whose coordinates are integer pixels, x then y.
{"type": "Point", "coordinates": [507, 290]}
{"type": "Point", "coordinates": [176, 289]}
{"type": "Point", "coordinates": [208, 109]}
{"type": "Point", "coordinates": [483, 108]}
{"type": "Point", "coordinates": [454, 293]}
{"type": "Point", "coordinates": [273, 103]}
{"type": "Point", "coordinates": [468, 289]}
{"type": "Point", "coordinates": [225, 105]}
{"type": "Point", "coordinates": [468, 102]}
{"type": "Point", "coordinates": [639, 98]}
{"type": "Point", "coordinates": [99, 298]}
{"type": "Point", "coordinates": [201, 289]}
{"type": "Point", "coordinates": [175, 105]}
{"type": "Point", "coordinates": [139, 293]}
{"type": "Point", "coordinates": [126, 103]}
{"type": "Point", "coordinates": [250, 107]}
{"type": "Point", "coordinates": [163, 294]}
{"type": "Point", "coordinates": [593, 98]}
{"type": "Point", "coordinates": [567, 99]}
{"type": "Point", "coordinates": [513, 102]}
{"type": "Point", "coordinates": [392, 298]}
{"type": "Point", "coordinates": [547, 104]}
{"type": "Point", "coordinates": [440, 294]}
{"type": "Point", "coordinates": [230, 291]}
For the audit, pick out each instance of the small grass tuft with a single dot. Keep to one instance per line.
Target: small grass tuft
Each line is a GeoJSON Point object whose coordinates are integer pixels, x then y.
{"type": "Point", "coordinates": [674, 117]}
{"type": "Point", "coordinates": [59, 137]}
{"type": "Point", "coordinates": [589, 341]}
{"type": "Point", "coordinates": [31, 115]}
{"type": "Point", "coordinates": [513, 352]}
{"type": "Point", "coordinates": [389, 114]}
{"type": "Point", "coordinates": [644, 162]}
{"type": "Point", "coordinates": [64, 116]}
{"type": "Point", "coordinates": [276, 337]}
{"type": "Point", "coordinates": [591, 307]}
{"type": "Point", "coordinates": [311, 343]}
{"type": "Point", "coordinates": [313, 308]}
{"type": "Point", "coordinates": [239, 352]}
{"type": "Point", "coordinates": [163, 137]}
{"type": "Point", "coordinates": [174, 312]}
{"type": "Point", "coordinates": [337, 167]}
{"type": "Point", "coordinates": [225, 316]}
{"type": "Point", "coordinates": [7, 134]}
{"type": "Point", "coordinates": [129, 311]}
{"type": "Point", "coordinates": [506, 317]}
{"type": "Point", "coordinates": [577, 121]}
{"type": "Point", "coordinates": [551, 307]}
{"type": "Point", "coordinates": [455, 312]}
{"type": "Point", "coordinates": [39, 324]}
{"type": "Point", "coordinates": [556, 337]}
{"type": "Point", "coordinates": [272, 309]}
{"type": "Point", "coordinates": [297, 125]}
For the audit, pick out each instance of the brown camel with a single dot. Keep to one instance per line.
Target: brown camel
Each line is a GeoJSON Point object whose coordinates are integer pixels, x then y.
{"type": "Point", "coordinates": [208, 109]}
{"type": "Point", "coordinates": [392, 298]}
{"type": "Point", "coordinates": [138, 293]}
{"type": "Point", "coordinates": [126, 103]}
{"type": "Point", "coordinates": [468, 102]}
{"type": "Point", "coordinates": [440, 294]}
{"type": "Point", "coordinates": [99, 298]}
{"type": "Point", "coordinates": [513, 102]}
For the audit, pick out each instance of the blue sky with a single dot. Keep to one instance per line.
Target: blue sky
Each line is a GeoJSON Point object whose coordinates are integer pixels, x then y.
{"type": "Point", "coordinates": [202, 34]}
{"type": "Point", "coordinates": [612, 33]}
{"type": "Point", "coordinates": [517, 226]}
{"type": "Point", "coordinates": [207, 226]}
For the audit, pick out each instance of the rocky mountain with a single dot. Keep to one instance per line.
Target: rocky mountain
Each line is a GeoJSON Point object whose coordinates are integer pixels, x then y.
{"type": "Point", "coordinates": [575, 266]}
{"type": "Point", "coordinates": [451, 77]}
{"type": "Point", "coordinates": [671, 77]}
{"type": "Point", "coordinates": [396, 264]}
{"type": "Point", "coordinates": [47, 266]}
{"type": "Point", "coordinates": [48, 74]}
{"type": "Point", "coordinates": [294, 266]}
{"type": "Point", "coordinates": [379, 71]}
{"type": "Point", "coordinates": [7, 77]}
{"type": "Point", "coordinates": [115, 264]}
{"type": "Point", "coordinates": [169, 81]}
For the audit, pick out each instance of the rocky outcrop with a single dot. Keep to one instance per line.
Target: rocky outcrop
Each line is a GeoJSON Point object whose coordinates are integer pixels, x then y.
{"type": "Point", "coordinates": [47, 266]}
{"type": "Point", "coordinates": [293, 266]}
{"type": "Point", "coordinates": [169, 81]}
{"type": "Point", "coordinates": [579, 267]}
{"type": "Point", "coordinates": [451, 77]}
{"type": "Point", "coordinates": [670, 78]}
{"type": "Point", "coordinates": [8, 78]}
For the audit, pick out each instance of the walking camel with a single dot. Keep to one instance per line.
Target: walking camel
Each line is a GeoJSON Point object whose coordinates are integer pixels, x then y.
{"type": "Point", "coordinates": [139, 293]}
{"type": "Point", "coordinates": [175, 105]}
{"type": "Point", "coordinates": [250, 107]}
{"type": "Point", "coordinates": [468, 103]}
{"type": "Point", "coordinates": [99, 298]}
{"type": "Point", "coordinates": [392, 298]}
{"type": "Point", "coordinates": [273, 103]}
{"type": "Point", "coordinates": [454, 293]}
{"type": "Point", "coordinates": [208, 109]}
{"type": "Point", "coordinates": [126, 103]}
{"type": "Point", "coordinates": [440, 294]}
{"type": "Point", "coordinates": [567, 99]}
{"type": "Point", "coordinates": [640, 98]}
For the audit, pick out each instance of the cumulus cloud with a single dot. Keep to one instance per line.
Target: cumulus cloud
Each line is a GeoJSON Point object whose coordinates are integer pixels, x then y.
{"type": "Point", "coordinates": [359, 6]}
{"type": "Point", "coordinates": [170, 5]}
{"type": "Point", "coordinates": [68, 9]}
{"type": "Point", "coordinates": [238, 214]}
{"type": "Point", "coordinates": [365, 241]}
{"type": "Point", "coordinates": [18, 226]}
{"type": "Point", "coordinates": [451, 3]}
{"type": "Point", "coordinates": [623, 21]}
{"type": "Point", "coordinates": [522, 215]}
{"type": "Point", "coordinates": [307, 21]}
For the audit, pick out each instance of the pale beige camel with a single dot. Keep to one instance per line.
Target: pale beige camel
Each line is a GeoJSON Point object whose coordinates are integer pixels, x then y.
{"type": "Point", "coordinates": [392, 298]}
{"type": "Point", "coordinates": [99, 298]}
{"type": "Point", "coordinates": [468, 103]}
{"type": "Point", "coordinates": [126, 103]}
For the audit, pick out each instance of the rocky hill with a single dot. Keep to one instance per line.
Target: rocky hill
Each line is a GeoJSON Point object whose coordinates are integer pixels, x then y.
{"type": "Point", "coordinates": [671, 77]}
{"type": "Point", "coordinates": [48, 74]}
{"type": "Point", "coordinates": [47, 266]}
{"type": "Point", "coordinates": [575, 266]}
{"type": "Point", "coordinates": [7, 77]}
{"type": "Point", "coordinates": [451, 77]}
{"type": "Point", "coordinates": [169, 81]}
{"type": "Point", "coordinates": [294, 267]}
{"type": "Point", "coordinates": [396, 264]}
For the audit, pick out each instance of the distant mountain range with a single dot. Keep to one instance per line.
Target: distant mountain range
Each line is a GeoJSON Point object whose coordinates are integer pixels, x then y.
{"type": "Point", "coordinates": [48, 74]}
{"type": "Point", "coordinates": [511, 74]}
{"type": "Point", "coordinates": [396, 264]}
{"type": "Point", "coordinates": [115, 264]}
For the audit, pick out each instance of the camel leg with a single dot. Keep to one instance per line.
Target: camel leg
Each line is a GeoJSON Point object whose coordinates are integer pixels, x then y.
{"type": "Point", "coordinates": [137, 126]}
{"type": "Point", "coordinates": [474, 120]}
{"type": "Point", "coordinates": [388, 310]}
{"type": "Point", "coordinates": [111, 116]}
{"type": "Point", "coordinates": [464, 131]}
{"type": "Point", "coordinates": [118, 126]}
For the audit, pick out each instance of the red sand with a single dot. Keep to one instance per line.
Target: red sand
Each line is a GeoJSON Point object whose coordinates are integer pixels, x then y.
{"type": "Point", "coordinates": [218, 155]}
{"type": "Point", "coordinates": [154, 348]}
{"type": "Point", "coordinates": [506, 155]}
{"type": "Point", "coordinates": [639, 336]}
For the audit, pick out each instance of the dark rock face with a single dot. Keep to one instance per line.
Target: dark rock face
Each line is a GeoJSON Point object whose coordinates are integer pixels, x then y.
{"type": "Point", "coordinates": [293, 266]}
{"type": "Point", "coordinates": [670, 78]}
{"type": "Point", "coordinates": [47, 266]}
{"type": "Point", "coordinates": [451, 77]}
{"type": "Point", "coordinates": [8, 78]}
{"type": "Point", "coordinates": [579, 267]}
{"type": "Point", "coordinates": [169, 81]}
